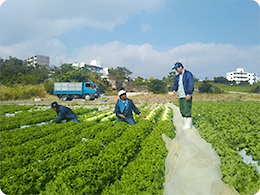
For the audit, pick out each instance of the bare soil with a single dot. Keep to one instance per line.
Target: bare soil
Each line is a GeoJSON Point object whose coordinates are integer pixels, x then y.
{"type": "Point", "coordinates": [148, 98]}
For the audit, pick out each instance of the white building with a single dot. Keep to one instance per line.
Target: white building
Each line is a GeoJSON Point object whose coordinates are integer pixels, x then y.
{"type": "Point", "coordinates": [95, 66]}
{"type": "Point", "coordinates": [239, 75]}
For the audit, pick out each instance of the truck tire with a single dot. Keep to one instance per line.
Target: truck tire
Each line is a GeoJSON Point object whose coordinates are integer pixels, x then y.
{"type": "Point", "coordinates": [70, 98]}
{"type": "Point", "coordinates": [64, 98]}
{"type": "Point", "coordinates": [87, 97]}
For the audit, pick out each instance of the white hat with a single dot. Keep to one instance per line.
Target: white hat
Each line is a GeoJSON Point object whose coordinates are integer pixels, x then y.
{"type": "Point", "coordinates": [121, 92]}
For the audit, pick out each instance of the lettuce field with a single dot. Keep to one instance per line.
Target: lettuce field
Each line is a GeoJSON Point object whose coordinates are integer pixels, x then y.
{"type": "Point", "coordinates": [96, 157]}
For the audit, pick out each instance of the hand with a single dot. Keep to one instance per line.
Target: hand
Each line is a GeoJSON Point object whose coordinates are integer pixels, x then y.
{"type": "Point", "coordinates": [174, 93]}
{"type": "Point", "coordinates": [188, 97]}
{"type": "Point", "coordinates": [122, 116]}
{"type": "Point", "coordinates": [143, 116]}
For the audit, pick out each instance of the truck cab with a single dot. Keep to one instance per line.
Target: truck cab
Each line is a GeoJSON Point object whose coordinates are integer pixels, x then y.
{"type": "Point", "coordinates": [90, 91]}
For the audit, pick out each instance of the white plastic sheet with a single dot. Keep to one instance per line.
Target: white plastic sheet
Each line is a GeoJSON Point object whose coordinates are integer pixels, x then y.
{"type": "Point", "coordinates": [192, 166]}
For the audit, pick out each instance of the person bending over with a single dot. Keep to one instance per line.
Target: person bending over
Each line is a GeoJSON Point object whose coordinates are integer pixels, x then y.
{"type": "Point", "coordinates": [64, 113]}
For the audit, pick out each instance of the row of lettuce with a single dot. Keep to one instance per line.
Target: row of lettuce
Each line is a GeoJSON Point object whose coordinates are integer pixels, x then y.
{"type": "Point", "coordinates": [96, 157]}
{"type": "Point", "coordinates": [232, 126]}
{"type": "Point", "coordinates": [86, 158]}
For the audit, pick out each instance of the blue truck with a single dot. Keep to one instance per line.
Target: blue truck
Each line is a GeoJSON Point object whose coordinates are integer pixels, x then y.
{"type": "Point", "coordinates": [69, 90]}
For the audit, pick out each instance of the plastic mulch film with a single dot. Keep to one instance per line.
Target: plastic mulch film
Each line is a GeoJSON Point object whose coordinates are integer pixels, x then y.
{"type": "Point", "coordinates": [192, 166]}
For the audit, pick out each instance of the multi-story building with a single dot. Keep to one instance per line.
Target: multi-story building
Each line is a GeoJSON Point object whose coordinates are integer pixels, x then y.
{"type": "Point", "coordinates": [239, 75]}
{"type": "Point", "coordinates": [94, 66]}
{"type": "Point", "coordinates": [39, 60]}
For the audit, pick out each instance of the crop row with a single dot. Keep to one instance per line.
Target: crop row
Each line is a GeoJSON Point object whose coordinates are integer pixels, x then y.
{"type": "Point", "coordinates": [12, 109]}
{"type": "Point", "coordinates": [28, 118]}
{"type": "Point", "coordinates": [146, 173]}
{"type": "Point", "coordinates": [231, 127]}
{"type": "Point", "coordinates": [33, 157]}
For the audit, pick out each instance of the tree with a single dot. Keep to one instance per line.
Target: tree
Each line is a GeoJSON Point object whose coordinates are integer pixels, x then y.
{"type": "Point", "coordinates": [119, 76]}
{"type": "Point", "coordinates": [205, 87]}
{"type": "Point", "coordinates": [243, 83]}
{"type": "Point", "coordinates": [15, 71]}
{"type": "Point", "coordinates": [170, 78]}
{"type": "Point", "coordinates": [139, 82]}
{"type": "Point", "coordinates": [60, 74]}
{"type": "Point", "coordinates": [67, 73]}
{"type": "Point", "coordinates": [255, 88]}
{"type": "Point", "coordinates": [49, 86]}
{"type": "Point", "coordinates": [157, 86]}
{"type": "Point", "coordinates": [221, 80]}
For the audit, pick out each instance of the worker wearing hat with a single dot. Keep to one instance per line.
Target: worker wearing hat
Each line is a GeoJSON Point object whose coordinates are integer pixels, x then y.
{"type": "Point", "coordinates": [183, 86]}
{"type": "Point", "coordinates": [124, 107]}
{"type": "Point", "coordinates": [64, 113]}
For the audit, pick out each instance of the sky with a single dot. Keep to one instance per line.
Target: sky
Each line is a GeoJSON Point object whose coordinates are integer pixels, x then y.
{"type": "Point", "coordinates": [209, 37]}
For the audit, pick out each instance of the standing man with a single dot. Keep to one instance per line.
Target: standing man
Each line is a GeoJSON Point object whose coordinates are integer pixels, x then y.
{"type": "Point", "coordinates": [64, 113]}
{"type": "Point", "coordinates": [124, 107]}
{"type": "Point", "coordinates": [183, 86]}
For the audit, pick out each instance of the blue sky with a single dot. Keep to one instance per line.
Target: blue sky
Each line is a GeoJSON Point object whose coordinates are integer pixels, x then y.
{"type": "Point", "coordinates": [209, 37]}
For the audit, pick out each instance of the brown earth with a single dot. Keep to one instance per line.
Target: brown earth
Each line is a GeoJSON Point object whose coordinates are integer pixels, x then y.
{"type": "Point", "coordinates": [149, 98]}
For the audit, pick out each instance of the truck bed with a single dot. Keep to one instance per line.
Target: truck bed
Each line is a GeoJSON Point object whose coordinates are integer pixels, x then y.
{"type": "Point", "coordinates": [68, 88]}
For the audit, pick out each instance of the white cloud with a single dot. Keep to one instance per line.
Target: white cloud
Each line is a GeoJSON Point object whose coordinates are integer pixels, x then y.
{"type": "Point", "coordinates": [30, 27]}
{"type": "Point", "coordinates": [258, 1]}
{"type": "Point", "coordinates": [204, 60]}
{"type": "Point", "coordinates": [1, 1]}
{"type": "Point", "coordinates": [21, 20]}
{"type": "Point", "coordinates": [36, 46]}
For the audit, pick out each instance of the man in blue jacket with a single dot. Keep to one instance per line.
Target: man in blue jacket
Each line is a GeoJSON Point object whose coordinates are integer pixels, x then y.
{"type": "Point", "coordinates": [124, 107]}
{"type": "Point", "coordinates": [64, 113]}
{"type": "Point", "coordinates": [183, 86]}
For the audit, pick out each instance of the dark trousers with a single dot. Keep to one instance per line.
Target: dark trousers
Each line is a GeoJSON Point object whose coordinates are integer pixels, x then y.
{"type": "Point", "coordinates": [129, 120]}
{"type": "Point", "coordinates": [76, 120]}
{"type": "Point", "coordinates": [185, 107]}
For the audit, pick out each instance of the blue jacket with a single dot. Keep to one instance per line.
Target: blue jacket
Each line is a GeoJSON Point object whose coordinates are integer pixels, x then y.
{"type": "Point", "coordinates": [187, 82]}
{"type": "Point", "coordinates": [64, 113]}
{"type": "Point", "coordinates": [126, 112]}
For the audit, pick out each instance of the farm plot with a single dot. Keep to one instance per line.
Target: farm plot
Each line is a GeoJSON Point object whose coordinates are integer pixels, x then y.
{"type": "Point", "coordinates": [72, 158]}
{"type": "Point", "coordinates": [96, 157]}
{"type": "Point", "coordinates": [232, 127]}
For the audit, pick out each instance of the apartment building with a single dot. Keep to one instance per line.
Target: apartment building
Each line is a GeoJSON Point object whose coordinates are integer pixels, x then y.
{"type": "Point", "coordinates": [38, 59]}
{"type": "Point", "coordinates": [240, 75]}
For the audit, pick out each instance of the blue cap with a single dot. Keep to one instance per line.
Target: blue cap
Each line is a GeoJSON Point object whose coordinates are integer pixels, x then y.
{"type": "Point", "coordinates": [177, 65]}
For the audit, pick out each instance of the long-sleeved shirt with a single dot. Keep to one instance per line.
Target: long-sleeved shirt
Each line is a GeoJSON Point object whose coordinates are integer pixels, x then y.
{"type": "Point", "coordinates": [64, 113]}
{"type": "Point", "coordinates": [126, 112]}
{"type": "Point", "coordinates": [188, 83]}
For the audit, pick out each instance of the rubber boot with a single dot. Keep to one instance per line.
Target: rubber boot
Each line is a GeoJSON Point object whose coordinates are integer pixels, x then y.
{"type": "Point", "coordinates": [184, 120]}
{"type": "Point", "coordinates": [188, 123]}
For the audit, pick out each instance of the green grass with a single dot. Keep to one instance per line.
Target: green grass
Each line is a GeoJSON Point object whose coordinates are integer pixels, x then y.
{"type": "Point", "coordinates": [225, 87]}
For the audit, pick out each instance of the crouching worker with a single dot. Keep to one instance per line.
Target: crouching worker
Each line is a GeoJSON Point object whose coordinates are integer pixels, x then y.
{"type": "Point", "coordinates": [64, 113]}
{"type": "Point", "coordinates": [124, 107]}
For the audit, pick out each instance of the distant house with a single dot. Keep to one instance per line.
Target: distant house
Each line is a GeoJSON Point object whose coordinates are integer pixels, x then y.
{"type": "Point", "coordinates": [94, 66]}
{"type": "Point", "coordinates": [39, 60]}
{"type": "Point", "coordinates": [240, 75]}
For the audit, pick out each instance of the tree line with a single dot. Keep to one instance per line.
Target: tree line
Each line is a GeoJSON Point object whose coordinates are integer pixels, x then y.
{"type": "Point", "coordinates": [14, 71]}
{"type": "Point", "coordinates": [17, 72]}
